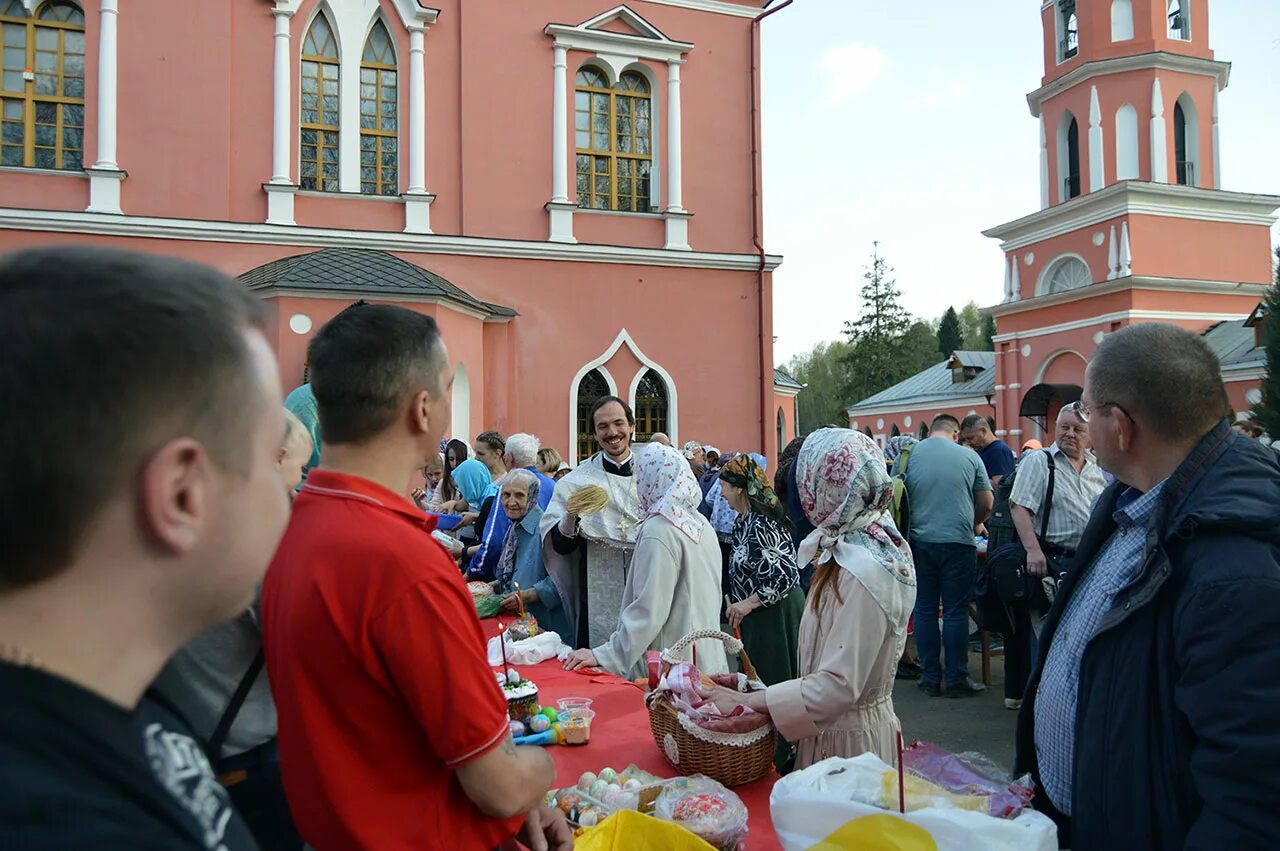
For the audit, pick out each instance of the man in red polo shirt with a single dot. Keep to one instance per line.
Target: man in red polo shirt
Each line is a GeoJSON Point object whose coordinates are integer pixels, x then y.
{"type": "Point", "coordinates": [393, 733]}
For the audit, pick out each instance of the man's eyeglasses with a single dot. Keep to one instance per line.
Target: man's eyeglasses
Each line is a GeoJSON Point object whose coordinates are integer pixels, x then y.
{"type": "Point", "coordinates": [1085, 412]}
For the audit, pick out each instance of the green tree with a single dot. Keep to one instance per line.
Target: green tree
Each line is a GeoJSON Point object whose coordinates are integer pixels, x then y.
{"type": "Point", "coordinates": [950, 337]}
{"type": "Point", "coordinates": [1267, 411]}
{"type": "Point", "coordinates": [919, 348]}
{"type": "Point", "coordinates": [988, 333]}
{"type": "Point", "coordinates": [971, 328]}
{"type": "Point", "coordinates": [876, 334]}
{"type": "Point", "coordinates": [824, 399]}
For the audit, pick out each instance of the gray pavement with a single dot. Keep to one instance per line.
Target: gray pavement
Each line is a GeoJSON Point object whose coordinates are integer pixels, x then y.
{"type": "Point", "coordinates": [979, 723]}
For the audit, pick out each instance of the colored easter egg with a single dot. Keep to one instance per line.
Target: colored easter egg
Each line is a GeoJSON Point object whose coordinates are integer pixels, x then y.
{"type": "Point", "coordinates": [632, 785]}
{"type": "Point", "coordinates": [598, 788]}
{"type": "Point", "coordinates": [586, 780]}
{"type": "Point", "coordinates": [517, 729]}
{"type": "Point", "coordinates": [588, 819]}
{"type": "Point", "coordinates": [551, 713]}
{"type": "Point", "coordinates": [539, 724]}
{"type": "Point", "coordinates": [608, 775]}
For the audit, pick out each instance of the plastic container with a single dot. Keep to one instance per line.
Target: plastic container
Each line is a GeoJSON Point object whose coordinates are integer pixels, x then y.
{"type": "Point", "coordinates": [575, 725]}
{"type": "Point", "coordinates": [565, 704]}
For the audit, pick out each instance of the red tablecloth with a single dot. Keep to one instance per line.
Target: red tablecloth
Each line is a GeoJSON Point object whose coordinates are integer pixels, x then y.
{"type": "Point", "coordinates": [620, 736]}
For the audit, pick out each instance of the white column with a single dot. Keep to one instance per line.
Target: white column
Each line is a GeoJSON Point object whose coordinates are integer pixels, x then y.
{"type": "Point", "coordinates": [560, 208]}
{"type": "Point", "coordinates": [105, 175]}
{"type": "Point", "coordinates": [1008, 278]}
{"type": "Point", "coordinates": [1016, 283]}
{"type": "Point", "coordinates": [675, 174]}
{"type": "Point", "coordinates": [417, 200]}
{"type": "Point", "coordinates": [280, 188]}
{"type": "Point", "coordinates": [281, 99]}
{"type": "Point", "coordinates": [1126, 257]}
{"type": "Point", "coordinates": [1097, 152]}
{"type": "Point", "coordinates": [1044, 167]}
{"type": "Point", "coordinates": [1159, 137]}
{"type": "Point", "coordinates": [560, 129]}
{"type": "Point", "coordinates": [1217, 159]}
{"type": "Point", "coordinates": [1113, 254]}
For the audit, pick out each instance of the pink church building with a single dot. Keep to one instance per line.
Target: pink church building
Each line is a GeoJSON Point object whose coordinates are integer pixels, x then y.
{"type": "Point", "coordinates": [570, 187]}
{"type": "Point", "coordinates": [1133, 225]}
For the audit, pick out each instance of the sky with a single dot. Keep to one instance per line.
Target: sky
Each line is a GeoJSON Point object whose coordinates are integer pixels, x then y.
{"type": "Point", "coordinates": [907, 123]}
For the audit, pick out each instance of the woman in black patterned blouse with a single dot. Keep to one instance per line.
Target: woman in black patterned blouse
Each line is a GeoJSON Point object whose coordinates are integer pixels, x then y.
{"type": "Point", "coordinates": [767, 602]}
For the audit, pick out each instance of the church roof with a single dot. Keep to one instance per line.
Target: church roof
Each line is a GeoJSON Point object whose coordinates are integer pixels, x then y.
{"type": "Point", "coordinates": [782, 379]}
{"type": "Point", "coordinates": [935, 386]}
{"type": "Point", "coordinates": [1235, 344]}
{"type": "Point", "coordinates": [362, 271]}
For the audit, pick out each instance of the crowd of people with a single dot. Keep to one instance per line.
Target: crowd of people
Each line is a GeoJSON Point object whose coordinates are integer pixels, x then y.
{"type": "Point", "coordinates": [247, 620]}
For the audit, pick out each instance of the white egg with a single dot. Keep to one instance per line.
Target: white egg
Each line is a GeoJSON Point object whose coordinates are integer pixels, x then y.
{"type": "Point", "coordinates": [632, 785]}
{"type": "Point", "coordinates": [588, 819]}
{"type": "Point", "coordinates": [513, 676]}
{"type": "Point", "coordinates": [586, 781]}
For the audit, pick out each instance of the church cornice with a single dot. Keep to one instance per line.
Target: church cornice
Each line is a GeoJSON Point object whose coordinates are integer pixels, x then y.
{"type": "Point", "coordinates": [1132, 197]}
{"type": "Point", "coordinates": [1160, 60]}
{"type": "Point", "coordinates": [1133, 282]}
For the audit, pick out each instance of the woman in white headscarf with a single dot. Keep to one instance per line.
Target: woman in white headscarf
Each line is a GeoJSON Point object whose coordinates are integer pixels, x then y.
{"type": "Point", "coordinates": [855, 623]}
{"type": "Point", "coordinates": [673, 586]}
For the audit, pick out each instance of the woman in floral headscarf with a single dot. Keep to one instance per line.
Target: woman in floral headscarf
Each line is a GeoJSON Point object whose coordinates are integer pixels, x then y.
{"type": "Point", "coordinates": [856, 622]}
{"type": "Point", "coordinates": [673, 587]}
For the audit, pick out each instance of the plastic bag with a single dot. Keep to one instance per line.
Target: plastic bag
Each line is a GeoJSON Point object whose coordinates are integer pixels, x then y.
{"type": "Point", "coordinates": [530, 651]}
{"type": "Point", "coordinates": [705, 808]}
{"type": "Point", "coordinates": [970, 776]}
{"type": "Point", "coordinates": [844, 804]}
{"type": "Point", "coordinates": [629, 831]}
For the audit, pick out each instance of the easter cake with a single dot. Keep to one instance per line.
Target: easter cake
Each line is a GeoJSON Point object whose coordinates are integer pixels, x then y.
{"type": "Point", "coordinates": [521, 695]}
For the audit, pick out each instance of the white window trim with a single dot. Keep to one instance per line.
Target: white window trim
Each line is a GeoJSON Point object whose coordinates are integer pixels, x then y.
{"type": "Point", "coordinates": [1049, 268]}
{"type": "Point", "coordinates": [1053, 356]}
{"type": "Point", "coordinates": [623, 338]}
{"type": "Point", "coordinates": [619, 52]}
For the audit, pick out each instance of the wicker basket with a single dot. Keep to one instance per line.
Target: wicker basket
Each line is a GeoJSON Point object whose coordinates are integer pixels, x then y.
{"type": "Point", "coordinates": [731, 758]}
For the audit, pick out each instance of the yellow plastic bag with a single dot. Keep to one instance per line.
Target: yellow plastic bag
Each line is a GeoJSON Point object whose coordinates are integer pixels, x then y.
{"type": "Point", "coordinates": [627, 830]}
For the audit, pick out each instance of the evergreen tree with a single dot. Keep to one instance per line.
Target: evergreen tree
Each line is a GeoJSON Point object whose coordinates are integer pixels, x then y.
{"type": "Point", "coordinates": [1267, 411]}
{"type": "Point", "coordinates": [950, 337]}
{"type": "Point", "coordinates": [823, 371]}
{"type": "Point", "coordinates": [876, 361]}
{"type": "Point", "coordinates": [988, 333]}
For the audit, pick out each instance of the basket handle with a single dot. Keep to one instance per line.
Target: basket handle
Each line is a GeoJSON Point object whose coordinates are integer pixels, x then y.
{"type": "Point", "coordinates": [672, 654]}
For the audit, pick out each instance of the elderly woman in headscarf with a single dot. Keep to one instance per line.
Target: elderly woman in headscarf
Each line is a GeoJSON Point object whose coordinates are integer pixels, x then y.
{"type": "Point", "coordinates": [764, 581]}
{"type": "Point", "coordinates": [896, 446]}
{"type": "Point", "coordinates": [673, 587]}
{"type": "Point", "coordinates": [855, 623]}
{"type": "Point", "coordinates": [522, 577]}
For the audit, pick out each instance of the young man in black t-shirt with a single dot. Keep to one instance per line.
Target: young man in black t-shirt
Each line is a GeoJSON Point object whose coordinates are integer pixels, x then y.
{"type": "Point", "coordinates": [141, 504]}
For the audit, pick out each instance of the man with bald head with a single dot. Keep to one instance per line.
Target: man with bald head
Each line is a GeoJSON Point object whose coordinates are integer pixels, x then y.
{"type": "Point", "coordinates": [659, 437]}
{"type": "Point", "coordinates": [1150, 719]}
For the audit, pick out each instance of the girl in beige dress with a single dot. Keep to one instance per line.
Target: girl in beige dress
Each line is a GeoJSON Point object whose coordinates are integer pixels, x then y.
{"type": "Point", "coordinates": [855, 621]}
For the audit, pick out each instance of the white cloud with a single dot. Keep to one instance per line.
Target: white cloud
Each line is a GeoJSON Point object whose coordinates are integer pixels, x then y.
{"type": "Point", "coordinates": [851, 69]}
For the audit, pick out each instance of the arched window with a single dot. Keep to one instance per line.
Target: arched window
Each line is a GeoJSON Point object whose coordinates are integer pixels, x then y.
{"type": "Point", "coordinates": [1186, 141]}
{"type": "Point", "coordinates": [379, 127]}
{"type": "Point", "coordinates": [782, 429]}
{"type": "Point", "coordinates": [612, 132]}
{"type": "Point", "coordinates": [1068, 157]}
{"type": "Point", "coordinates": [1065, 273]}
{"type": "Point", "coordinates": [894, 432]}
{"type": "Point", "coordinates": [42, 117]}
{"type": "Point", "coordinates": [1179, 20]}
{"type": "Point", "coordinates": [1121, 20]}
{"type": "Point", "coordinates": [1126, 143]}
{"type": "Point", "coordinates": [651, 406]}
{"type": "Point", "coordinates": [318, 165]}
{"type": "Point", "coordinates": [923, 431]}
{"type": "Point", "coordinates": [1068, 30]}
{"type": "Point", "coordinates": [590, 388]}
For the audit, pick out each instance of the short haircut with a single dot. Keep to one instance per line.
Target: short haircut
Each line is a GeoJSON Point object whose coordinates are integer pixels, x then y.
{"type": "Point", "coordinates": [523, 449]}
{"type": "Point", "coordinates": [366, 363]}
{"type": "Point", "coordinates": [946, 423]}
{"type": "Point", "coordinates": [974, 421]}
{"type": "Point", "coordinates": [1162, 375]}
{"type": "Point", "coordinates": [521, 476]}
{"type": "Point", "coordinates": [493, 440]}
{"type": "Point", "coordinates": [108, 355]}
{"type": "Point", "coordinates": [297, 440]}
{"type": "Point", "coordinates": [605, 400]}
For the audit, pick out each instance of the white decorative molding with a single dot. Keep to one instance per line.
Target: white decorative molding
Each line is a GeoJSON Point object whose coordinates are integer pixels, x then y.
{"type": "Point", "coordinates": [1051, 357]}
{"type": "Point", "coordinates": [928, 403]}
{"type": "Point", "coordinates": [1016, 283]}
{"type": "Point", "coordinates": [151, 227]}
{"type": "Point", "coordinates": [417, 111]}
{"type": "Point", "coordinates": [717, 6]}
{"type": "Point", "coordinates": [281, 94]}
{"type": "Point", "coordinates": [105, 175]}
{"type": "Point", "coordinates": [1133, 283]}
{"type": "Point", "coordinates": [1121, 20]}
{"type": "Point", "coordinates": [675, 166]}
{"type": "Point", "coordinates": [1098, 238]}
{"type": "Point", "coordinates": [647, 364]}
{"type": "Point", "coordinates": [1009, 266]}
{"type": "Point", "coordinates": [1121, 316]}
{"type": "Point", "coordinates": [1159, 136]}
{"type": "Point", "coordinates": [1217, 157]}
{"type": "Point", "coordinates": [1029, 258]}
{"type": "Point", "coordinates": [1097, 150]}
{"type": "Point", "coordinates": [280, 203]}
{"type": "Point", "coordinates": [1134, 197]}
{"type": "Point", "coordinates": [1045, 199]}
{"type": "Point", "coordinates": [1126, 257]}
{"type": "Point", "coordinates": [1113, 256]}
{"type": "Point", "coordinates": [1055, 265]}
{"type": "Point", "coordinates": [417, 211]}
{"type": "Point", "coordinates": [1016, 385]}
{"type": "Point", "coordinates": [1127, 167]}
{"type": "Point", "coordinates": [1220, 71]}
{"type": "Point", "coordinates": [560, 128]}
{"type": "Point", "coordinates": [648, 43]}
{"type": "Point", "coordinates": [461, 424]}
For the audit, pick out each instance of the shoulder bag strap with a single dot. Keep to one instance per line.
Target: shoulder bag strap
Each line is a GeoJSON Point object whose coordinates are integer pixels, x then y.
{"type": "Point", "coordinates": [1048, 498]}
{"type": "Point", "coordinates": [233, 707]}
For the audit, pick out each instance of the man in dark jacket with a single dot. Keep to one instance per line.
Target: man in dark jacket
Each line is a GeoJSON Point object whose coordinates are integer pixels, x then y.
{"type": "Point", "coordinates": [1151, 718]}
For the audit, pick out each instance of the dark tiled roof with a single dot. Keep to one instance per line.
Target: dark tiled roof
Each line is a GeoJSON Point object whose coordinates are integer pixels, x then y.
{"type": "Point", "coordinates": [1234, 344]}
{"type": "Point", "coordinates": [782, 379]}
{"type": "Point", "coordinates": [361, 270]}
{"type": "Point", "coordinates": [934, 385]}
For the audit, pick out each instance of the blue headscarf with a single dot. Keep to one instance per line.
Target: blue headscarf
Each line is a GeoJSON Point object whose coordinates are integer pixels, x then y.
{"type": "Point", "coordinates": [474, 482]}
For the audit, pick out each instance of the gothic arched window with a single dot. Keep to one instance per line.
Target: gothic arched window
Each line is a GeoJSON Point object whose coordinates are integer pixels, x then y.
{"type": "Point", "coordinates": [590, 388]}
{"type": "Point", "coordinates": [651, 406]}
{"type": "Point", "coordinates": [782, 430]}
{"type": "Point", "coordinates": [42, 87]}
{"type": "Point", "coordinates": [318, 165]}
{"type": "Point", "coordinates": [612, 131]}
{"type": "Point", "coordinates": [379, 102]}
